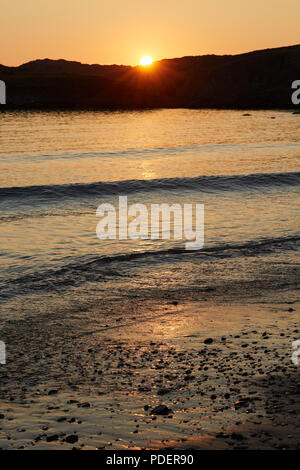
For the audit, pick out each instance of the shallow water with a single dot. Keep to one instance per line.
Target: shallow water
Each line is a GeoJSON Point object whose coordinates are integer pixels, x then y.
{"type": "Point", "coordinates": [57, 167]}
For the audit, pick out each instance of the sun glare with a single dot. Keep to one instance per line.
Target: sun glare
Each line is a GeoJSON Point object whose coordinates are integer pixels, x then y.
{"type": "Point", "coordinates": [146, 60]}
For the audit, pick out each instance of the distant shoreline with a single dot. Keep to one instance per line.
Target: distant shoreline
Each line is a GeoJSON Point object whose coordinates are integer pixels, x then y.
{"type": "Point", "coordinates": [255, 80]}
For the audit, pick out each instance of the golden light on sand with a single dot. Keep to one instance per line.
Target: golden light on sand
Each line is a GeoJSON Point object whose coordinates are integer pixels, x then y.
{"type": "Point", "coordinates": [146, 60]}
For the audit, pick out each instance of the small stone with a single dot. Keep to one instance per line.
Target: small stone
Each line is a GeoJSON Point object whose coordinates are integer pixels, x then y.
{"type": "Point", "coordinates": [52, 438]}
{"type": "Point", "coordinates": [208, 341]}
{"type": "Point", "coordinates": [72, 439]}
{"type": "Point", "coordinates": [61, 419]}
{"type": "Point", "coordinates": [163, 391]}
{"type": "Point", "coordinates": [161, 410]}
{"type": "Point", "coordinates": [236, 436]}
{"type": "Point", "coordinates": [243, 402]}
{"type": "Point", "coordinates": [84, 405]}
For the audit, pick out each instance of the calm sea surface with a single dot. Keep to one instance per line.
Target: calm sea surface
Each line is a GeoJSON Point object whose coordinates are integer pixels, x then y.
{"type": "Point", "coordinates": [57, 167]}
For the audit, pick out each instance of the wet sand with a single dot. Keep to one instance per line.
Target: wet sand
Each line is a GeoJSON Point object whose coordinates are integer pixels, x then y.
{"type": "Point", "coordinates": [220, 373]}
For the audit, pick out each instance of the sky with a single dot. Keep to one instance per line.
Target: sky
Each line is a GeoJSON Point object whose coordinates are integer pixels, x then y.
{"type": "Point", "coordinates": [122, 31]}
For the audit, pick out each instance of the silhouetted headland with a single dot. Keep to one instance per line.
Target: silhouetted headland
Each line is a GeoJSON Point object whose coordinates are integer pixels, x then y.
{"type": "Point", "coordinates": [255, 80]}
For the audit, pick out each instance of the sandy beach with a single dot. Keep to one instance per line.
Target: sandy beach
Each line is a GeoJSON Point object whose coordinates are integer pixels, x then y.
{"type": "Point", "coordinates": [191, 374]}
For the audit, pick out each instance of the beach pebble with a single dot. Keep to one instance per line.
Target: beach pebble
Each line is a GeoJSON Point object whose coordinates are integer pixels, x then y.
{"type": "Point", "coordinates": [52, 438]}
{"type": "Point", "coordinates": [161, 410]}
{"type": "Point", "coordinates": [236, 436]}
{"type": "Point", "coordinates": [243, 402]}
{"type": "Point", "coordinates": [84, 405]}
{"type": "Point", "coordinates": [72, 439]}
{"type": "Point", "coordinates": [208, 341]}
{"type": "Point", "coordinates": [163, 391]}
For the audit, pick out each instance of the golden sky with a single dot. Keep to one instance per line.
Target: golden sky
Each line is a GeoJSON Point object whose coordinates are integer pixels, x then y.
{"type": "Point", "coordinates": [121, 31]}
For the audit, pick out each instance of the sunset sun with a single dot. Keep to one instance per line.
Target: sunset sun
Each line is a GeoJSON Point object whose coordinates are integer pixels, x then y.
{"type": "Point", "coordinates": [146, 60]}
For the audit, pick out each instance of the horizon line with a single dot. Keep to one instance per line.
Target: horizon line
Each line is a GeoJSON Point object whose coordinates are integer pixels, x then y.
{"type": "Point", "coordinates": [154, 61]}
